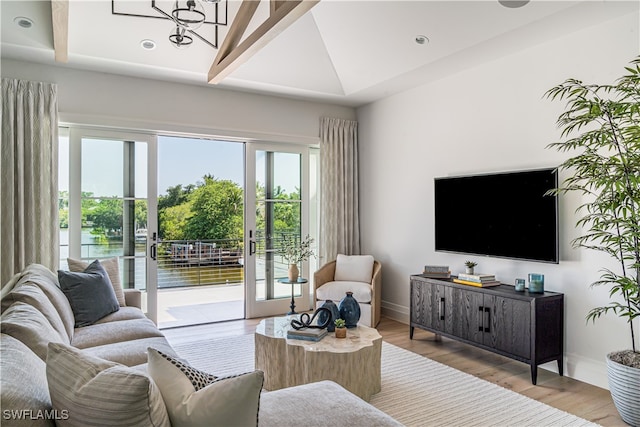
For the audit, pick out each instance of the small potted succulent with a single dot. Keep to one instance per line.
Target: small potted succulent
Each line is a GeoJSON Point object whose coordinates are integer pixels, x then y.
{"type": "Point", "coordinates": [341, 328]}
{"type": "Point", "coordinates": [470, 265]}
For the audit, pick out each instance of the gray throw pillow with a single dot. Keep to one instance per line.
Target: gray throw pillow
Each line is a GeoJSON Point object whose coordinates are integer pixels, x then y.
{"type": "Point", "coordinates": [90, 293]}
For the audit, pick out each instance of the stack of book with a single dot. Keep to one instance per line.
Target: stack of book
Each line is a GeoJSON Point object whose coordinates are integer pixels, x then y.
{"type": "Point", "coordinates": [307, 334]}
{"type": "Point", "coordinates": [479, 280]}
{"type": "Point", "coordinates": [437, 271]}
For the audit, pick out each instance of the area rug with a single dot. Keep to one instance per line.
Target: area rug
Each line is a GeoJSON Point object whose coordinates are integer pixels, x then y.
{"type": "Point", "coordinates": [416, 391]}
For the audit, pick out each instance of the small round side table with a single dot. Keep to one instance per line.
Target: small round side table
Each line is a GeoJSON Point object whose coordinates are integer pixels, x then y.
{"type": "Point", "coordinates": [286, 281]}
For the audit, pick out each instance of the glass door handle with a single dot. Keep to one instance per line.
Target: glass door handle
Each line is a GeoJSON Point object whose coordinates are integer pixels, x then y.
{"type": "Point", "coordinates": [154, 252]}
{"type": "Point", "coordinates": [252, 247]}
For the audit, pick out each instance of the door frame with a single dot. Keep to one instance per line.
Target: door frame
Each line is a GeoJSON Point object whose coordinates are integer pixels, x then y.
{"type": "Point", "coordinates": [279, 306]}
{"type": "Point", "coordinates": [76, 135]}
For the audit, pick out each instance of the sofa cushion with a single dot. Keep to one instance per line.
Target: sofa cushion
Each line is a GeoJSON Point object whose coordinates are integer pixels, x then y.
{"type": "Point", "coordinates": [25, 323]}
{"type": "Point", "coordinates": [42, 277]}
{"type": "Point", "coordinates": [97, 392]}
{"type": "Point", "coordinates": [90, 293]}
{"type": "Point", "coordinates": [125, 313]}
{"type": "Point", "coordinates": [287, 406]}
{"type": "Point", "coordinates": [24, 385]}
{"type": "Point", "coordinates": [336, 291]}
{"type": "Point", "coordinates": [229, 401]}
{"type": "Point", "coordinates": [130, 353]}
{"type": "Point", "coordinates": [112, 268]}
{"type": "Point", "coordinates": [113, 332]}
{"type": "Point", "coordinates": [32, 294]}
{"type": "Point", "coordinates": [354, 268]}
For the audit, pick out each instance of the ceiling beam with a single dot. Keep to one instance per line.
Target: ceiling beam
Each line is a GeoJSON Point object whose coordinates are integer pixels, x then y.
{"type": "Point", "coordinates": [231, 56]}
{"type": "Point", "coordinates": [60, 23]}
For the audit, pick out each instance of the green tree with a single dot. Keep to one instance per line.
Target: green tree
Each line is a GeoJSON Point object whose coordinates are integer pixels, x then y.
{"type": "Point", "coordinates": [173, 221]}
{"type": "Point", "coordinates": [107, 214]}
{"type": "Point", "coordinates": [217, 210]}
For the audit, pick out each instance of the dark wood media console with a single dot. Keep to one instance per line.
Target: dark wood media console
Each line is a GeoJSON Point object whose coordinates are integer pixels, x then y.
{"type": "Point", "coordinates": [523, 326]}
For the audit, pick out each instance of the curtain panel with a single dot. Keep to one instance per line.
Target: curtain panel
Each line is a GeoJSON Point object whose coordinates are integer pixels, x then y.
{"type": "Point", "coordinates": [340, 224]}
{"type": "Point", "coordinates": [29, 229]}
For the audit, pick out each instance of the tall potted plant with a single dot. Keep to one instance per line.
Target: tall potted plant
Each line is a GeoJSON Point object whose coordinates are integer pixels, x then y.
{"type": "Point", "coordinates": [601, 128]}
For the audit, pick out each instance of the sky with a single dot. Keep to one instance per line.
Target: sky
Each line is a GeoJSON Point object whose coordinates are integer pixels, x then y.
{"type": "Point", "coordinates": [180, 161]}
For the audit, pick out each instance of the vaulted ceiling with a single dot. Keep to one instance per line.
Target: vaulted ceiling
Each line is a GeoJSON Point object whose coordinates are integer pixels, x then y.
{"type": "Point", "coordinates": [348, 52]}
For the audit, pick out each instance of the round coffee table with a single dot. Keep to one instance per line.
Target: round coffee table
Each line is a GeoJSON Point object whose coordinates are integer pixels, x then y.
{"type": "Point", "coordinates": [352, 362]}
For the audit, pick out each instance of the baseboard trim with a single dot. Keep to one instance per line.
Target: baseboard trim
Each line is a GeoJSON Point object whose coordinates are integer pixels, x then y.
{"type": "Point", "coordinates": [587, 370]}
{"type": "Point", "coordinates": [396, 312]}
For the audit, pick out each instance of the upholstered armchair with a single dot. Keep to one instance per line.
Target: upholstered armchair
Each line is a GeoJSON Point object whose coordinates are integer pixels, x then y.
{"type": "Point", "coordinates": [359, 274]}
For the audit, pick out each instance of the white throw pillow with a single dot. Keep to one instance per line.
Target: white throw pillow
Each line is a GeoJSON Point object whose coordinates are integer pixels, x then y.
{"type": "Point", "coordinates": [354, 268]}
{"type": "Point", "coordinates": [96, 392]}
{"type": "Point", "coordinates": [229, 401]}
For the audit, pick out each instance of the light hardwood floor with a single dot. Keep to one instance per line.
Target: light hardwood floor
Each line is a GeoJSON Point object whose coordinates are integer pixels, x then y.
{"type": "Point", "coordinates": [578, 398]}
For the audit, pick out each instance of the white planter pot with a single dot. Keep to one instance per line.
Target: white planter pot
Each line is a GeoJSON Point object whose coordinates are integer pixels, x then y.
{"type": "Point", "coordinates": [624, 384]}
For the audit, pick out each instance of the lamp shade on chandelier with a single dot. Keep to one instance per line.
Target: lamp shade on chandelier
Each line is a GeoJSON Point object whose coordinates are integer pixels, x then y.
{"type": "Point", "coordinates": [179, 38]}
{"type": "Point", "coordinates": [188, 14]}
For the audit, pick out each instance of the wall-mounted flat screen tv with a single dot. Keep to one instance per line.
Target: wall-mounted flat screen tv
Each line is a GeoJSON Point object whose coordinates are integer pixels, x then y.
{"type": "Point", "coordinates": [504, 215]}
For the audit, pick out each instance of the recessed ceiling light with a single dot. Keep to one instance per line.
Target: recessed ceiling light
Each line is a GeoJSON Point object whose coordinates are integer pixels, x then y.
{"type": "Point", "coordinates": [148, 44]}
{"type": "Point", "coordinates": [23, 22]}
{"type": "Point", "coordinates": [420, 39]}
{"type": "Point", "coordinates": [513, 3]}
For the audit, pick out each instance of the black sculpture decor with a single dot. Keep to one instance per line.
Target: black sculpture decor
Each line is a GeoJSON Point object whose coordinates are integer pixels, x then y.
{"type": "Point", "coordinates": [306, 320]}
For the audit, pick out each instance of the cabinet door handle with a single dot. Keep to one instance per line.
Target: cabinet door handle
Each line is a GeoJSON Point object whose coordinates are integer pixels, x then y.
{"type": "Point", "coordinates": [481, 310]}
{"type": "Point", "coordinates": [441, 309]}
{"type": "Point", "coordinates": [487, 312]}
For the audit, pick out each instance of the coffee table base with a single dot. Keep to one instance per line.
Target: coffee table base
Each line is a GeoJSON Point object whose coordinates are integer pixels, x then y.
{"type": "Point", "coordinates": [354, 362]}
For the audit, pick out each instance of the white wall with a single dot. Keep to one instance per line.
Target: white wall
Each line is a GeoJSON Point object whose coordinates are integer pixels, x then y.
{"type": "Point", "coordinates": [489, 118]}
{"type": "Point", "coordinates": [88, 97]}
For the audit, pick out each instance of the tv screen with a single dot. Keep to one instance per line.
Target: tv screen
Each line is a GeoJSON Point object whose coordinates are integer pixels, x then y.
{"type": "Point", "coordinates": [503, 215]}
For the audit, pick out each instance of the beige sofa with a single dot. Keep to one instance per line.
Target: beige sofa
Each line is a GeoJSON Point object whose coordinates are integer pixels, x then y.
{"type": "Point", "coordinates": [35, 312]}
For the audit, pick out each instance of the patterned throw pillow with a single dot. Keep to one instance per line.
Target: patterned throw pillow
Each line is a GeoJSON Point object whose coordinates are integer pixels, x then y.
{"type": "Point", "coordinates": [228, 401]}
{"type": "Point", "coordinates": [199, 379]}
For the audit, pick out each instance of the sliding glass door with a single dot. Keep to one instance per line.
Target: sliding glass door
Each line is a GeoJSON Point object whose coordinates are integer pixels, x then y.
{"type": "Point", "coordinates": [111, 205]}
{"type": "Point", "coordinates": [197, 224]}
{"type": "Point", "coordinates": [277, 208]}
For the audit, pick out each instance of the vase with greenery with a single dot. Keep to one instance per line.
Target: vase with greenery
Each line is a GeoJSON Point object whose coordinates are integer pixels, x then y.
{"type": "Point", "coordinates": [601, 129]}
{"type": "Point", "coordinates": [294, 252]}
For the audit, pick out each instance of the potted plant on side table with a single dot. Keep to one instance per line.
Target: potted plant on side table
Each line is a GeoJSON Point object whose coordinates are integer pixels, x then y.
{"type": "Point", "coordinates": [341, 328]}
{"type": "Point", "coordinates": [602, 124]}
{"type": "Point", "coordinates": [294, 252]}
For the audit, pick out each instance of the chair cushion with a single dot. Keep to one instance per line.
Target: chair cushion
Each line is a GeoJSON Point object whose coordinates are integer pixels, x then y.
{"type": "Point", "coordinates": [228, 401]}
{"type": "Point", "coordinates": [90, 293]}
{"type": "Point", "coordinates": [24, 384]}
{"type": "Point", "coordinates": [112, 268]}
{"type": "Point", "coordinates": [354, 268]}
{"type": "Point", "coordinates": [97, 392]}
{"type": "Point", "coordinates": [336, 291]}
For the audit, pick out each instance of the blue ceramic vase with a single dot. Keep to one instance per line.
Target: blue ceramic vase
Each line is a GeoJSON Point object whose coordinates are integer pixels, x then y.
{"type": "Point", "coordinates": [335, 314]}
{"type": "Point", "coordinates": [350, 310]}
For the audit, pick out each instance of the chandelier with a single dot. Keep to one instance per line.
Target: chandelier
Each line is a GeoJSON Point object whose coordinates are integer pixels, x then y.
{"type": "Point", "coordinates": [187, 16]}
